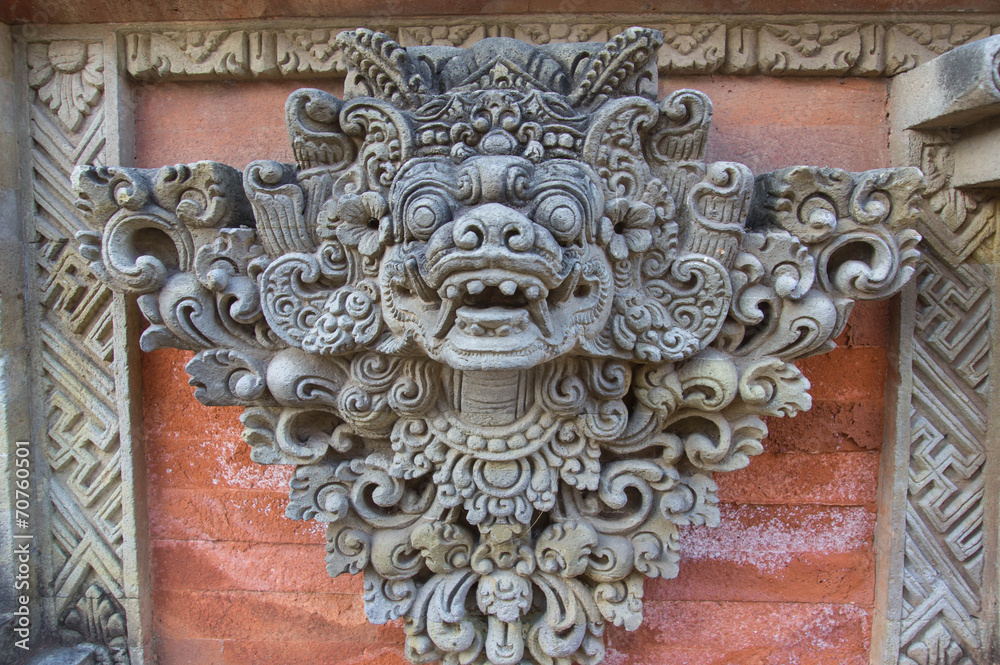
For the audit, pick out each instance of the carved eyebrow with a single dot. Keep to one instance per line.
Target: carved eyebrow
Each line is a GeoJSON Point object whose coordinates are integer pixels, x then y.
{"type": "Point", "coordinates": [508, 185]}
{"type": "Point", "coordinates": [570, 181]}
{"type": "Point", "coordinates": [562, 170]}
{"type": "Point", "coordinates": [432, 174]}
{"type": "Point", "coordinates": [545, 181]}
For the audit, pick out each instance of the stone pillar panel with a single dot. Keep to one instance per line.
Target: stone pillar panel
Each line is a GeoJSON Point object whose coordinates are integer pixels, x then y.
{"type": "Point", "coordinates": [504, 319]}
{"type": "Point", "coordinates": [944, 572]}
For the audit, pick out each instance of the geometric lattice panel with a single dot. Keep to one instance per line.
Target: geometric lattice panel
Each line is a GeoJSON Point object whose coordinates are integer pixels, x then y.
{"type": "Point", "coordinates": [943, 570]}
{"type": "Point", "coordinates": [74, 357]}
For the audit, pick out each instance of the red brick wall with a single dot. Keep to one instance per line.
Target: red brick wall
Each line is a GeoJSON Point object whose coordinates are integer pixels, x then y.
{"type": "Point", "coordinates": [787, 578]}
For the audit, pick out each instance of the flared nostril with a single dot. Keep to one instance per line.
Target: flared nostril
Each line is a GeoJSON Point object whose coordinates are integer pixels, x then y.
{"type": "Point", "coordinates": [518, 235]}
{"type": "Point", "coordinates": [469, 234]}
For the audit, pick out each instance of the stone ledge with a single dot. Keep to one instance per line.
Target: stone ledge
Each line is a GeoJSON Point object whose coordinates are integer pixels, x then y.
{"type": "Point", "coordinates": [81, 654]}
{"type": "Point", "coordinates": [957, 89]}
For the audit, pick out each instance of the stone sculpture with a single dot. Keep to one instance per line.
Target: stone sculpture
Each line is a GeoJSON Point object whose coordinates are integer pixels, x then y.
{"type": "Point", "coordinates": [504, 320]}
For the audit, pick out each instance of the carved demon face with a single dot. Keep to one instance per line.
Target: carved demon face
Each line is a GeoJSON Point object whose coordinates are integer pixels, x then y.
{"type": "Point", "coordinates": [513, 275]}
{"type": "Point", "coordinates": [481, 210]}
{"type": "Point", "coordinates": [504, 320]}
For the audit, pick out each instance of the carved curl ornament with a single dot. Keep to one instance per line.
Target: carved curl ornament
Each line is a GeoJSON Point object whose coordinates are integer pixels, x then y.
{"type": "Point", "coordinates": [504, 320]}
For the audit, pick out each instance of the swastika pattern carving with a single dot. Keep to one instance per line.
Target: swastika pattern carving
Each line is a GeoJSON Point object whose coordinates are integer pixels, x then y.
{"type": "Point", "coordinates": [76, 419]}
{"type": "Point", "coordinates": [943, 569]}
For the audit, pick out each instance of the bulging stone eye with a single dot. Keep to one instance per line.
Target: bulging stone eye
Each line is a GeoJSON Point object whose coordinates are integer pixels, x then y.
{"type": "Point", "coordinates": [562, 215]}
{"type": "Point", "coordinates": [425, 213]}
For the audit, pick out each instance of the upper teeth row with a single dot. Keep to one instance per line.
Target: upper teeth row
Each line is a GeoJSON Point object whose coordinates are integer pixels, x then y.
{"type": "Point", "coordinates": [532, 289]}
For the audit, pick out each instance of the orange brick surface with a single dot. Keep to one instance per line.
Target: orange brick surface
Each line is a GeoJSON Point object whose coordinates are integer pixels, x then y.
{"type": "Point", "coordinates": [738, 633]}
{"type": "Point", "coordinates": [807, 554]}
{"type": "Point", "coordinates": [787, 577]}
{"type": "Point", "coordinates": [769, 123]}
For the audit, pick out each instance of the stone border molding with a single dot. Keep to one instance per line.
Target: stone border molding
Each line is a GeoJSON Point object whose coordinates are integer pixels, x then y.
{"type": "Point", "coordinates": [937, 594]}
{"type": "Point", "coordinates": [15, 415]}
{"type": "Point", "coordinates": [90, 558]}
{"type": "Point", "coordinates": [799, 46]}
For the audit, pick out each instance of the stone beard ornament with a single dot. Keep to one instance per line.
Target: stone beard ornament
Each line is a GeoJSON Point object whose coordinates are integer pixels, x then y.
{"type": "Point", "coordinates": [504, 320]}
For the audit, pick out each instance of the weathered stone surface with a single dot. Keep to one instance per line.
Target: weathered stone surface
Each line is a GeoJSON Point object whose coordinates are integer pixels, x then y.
{"type": "Point", "coordinates": [945, 116]}
{"type": "Point", "coordinates": [953, 90]}
{"type": "Point", "coordinates": [976, 162]}
{"type": "Point", "coordinates": [910, 44]}
{"type": "Point", "coordinates": [78, 655]}
{"type": "Point", "coordinates": [504, 320]}
{"type": "Point", "coordinates": [54, 11]}
{"type": "Point", "coordinates": [960, 222]}
{"type": "Point", "coordinates": [15, 422]}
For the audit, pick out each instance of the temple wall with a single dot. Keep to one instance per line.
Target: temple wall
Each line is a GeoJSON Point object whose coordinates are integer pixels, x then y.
{"type": "Point", "coordinates": [866, 532]}
{"type": "Point", "coordinates": [787, 578]}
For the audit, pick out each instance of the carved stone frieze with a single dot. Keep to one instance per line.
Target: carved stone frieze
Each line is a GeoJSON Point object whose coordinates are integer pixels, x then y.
{"type": "Point", "coordinates": [504, 319]}
{"type": "Point", "coordinates": [963, 220]}
{"type": "Point", "coordinates": [911, 44]}
{"type": "Point", "coordinates": [441, 35]}
{"type": "Point", "coordinates": [832, 48]}
{"type": "Point", "coordinates": [943, 118]}
{"type": "Point", "coordinates": [98, 621]}
{"type": "Point", "coordinates": [541, 34]}
{"type": "Point", "coordinates": [827, 46]}
{"type": "Point", "coordinates": [692, 48]}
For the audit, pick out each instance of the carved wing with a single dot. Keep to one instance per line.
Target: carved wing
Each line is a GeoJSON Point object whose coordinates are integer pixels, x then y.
{"type": "Point", "coordinates": [279, 204]}
{"type": "Point", "coordinates": [613, 145]}
{"type": "Point", "coordinates": [385, 136]}
{"type": "Point", "coordinates": [313, 119]}
{"type": "Point", "coordinates": [681, 132]}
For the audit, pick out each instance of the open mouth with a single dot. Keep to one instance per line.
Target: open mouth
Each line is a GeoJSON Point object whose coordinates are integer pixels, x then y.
{"type": "Point", "coordinates": [491, 322]}
{"type": "Point", "coordinates": [493, 303]}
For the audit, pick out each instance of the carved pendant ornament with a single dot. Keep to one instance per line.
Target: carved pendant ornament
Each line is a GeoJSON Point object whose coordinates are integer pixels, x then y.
{"type": "Point", "coordinates": [504, 320]}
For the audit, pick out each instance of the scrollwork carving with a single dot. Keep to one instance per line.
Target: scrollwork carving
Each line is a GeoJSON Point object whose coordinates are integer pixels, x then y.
{"type": "Point", "coordinates": [504, 320]}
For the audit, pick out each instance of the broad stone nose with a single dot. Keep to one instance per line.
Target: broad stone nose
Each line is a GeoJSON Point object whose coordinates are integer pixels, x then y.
{"type": "Point", "coordinates": [494, 226]}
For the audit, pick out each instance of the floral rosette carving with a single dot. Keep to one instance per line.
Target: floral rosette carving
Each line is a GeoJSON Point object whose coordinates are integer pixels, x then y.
{"type": "Point", "coordinates": [504, 320]}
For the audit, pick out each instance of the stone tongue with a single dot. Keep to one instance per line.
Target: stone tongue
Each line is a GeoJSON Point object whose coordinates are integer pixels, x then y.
{"type": "Point", "coordinates": [493, 398]}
